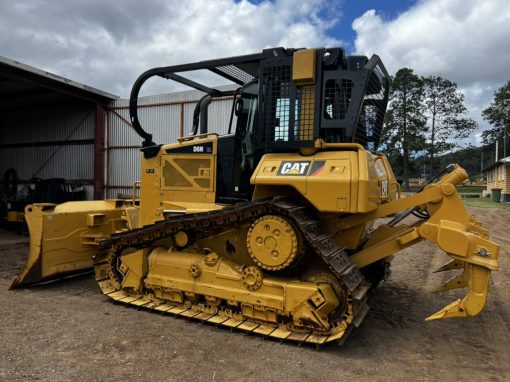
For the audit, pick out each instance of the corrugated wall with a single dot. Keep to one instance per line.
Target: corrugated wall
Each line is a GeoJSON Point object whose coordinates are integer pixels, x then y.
{"type": "Point", "coordinates": [29, 143]}
{"type": "Point", "coordinates": [165, 116]}
{"type": "Point", "coordinates": [25, 137]}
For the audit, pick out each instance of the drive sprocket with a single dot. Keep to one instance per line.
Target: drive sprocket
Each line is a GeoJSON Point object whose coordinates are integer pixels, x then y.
{"type": "Point", "coordinates": [273, 242]}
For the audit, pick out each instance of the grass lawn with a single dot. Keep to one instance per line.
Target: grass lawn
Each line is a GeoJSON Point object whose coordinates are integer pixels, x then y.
{"type": "Point", "coordinates": [461, 189]}
{"type": "Point", "coordinates": [484, 203]}
{"type": "Point", "coordinates": [474, 189]}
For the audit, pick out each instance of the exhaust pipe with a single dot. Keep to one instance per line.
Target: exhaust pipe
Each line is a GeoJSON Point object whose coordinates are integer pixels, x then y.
{"type": "Point", "coordinates": [201, 114]}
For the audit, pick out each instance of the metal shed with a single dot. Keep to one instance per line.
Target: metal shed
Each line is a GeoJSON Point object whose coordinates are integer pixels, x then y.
{"type": "Point", "coordinates": [166, 116]}
{"type": "Point", "coordinates": [51, 127]}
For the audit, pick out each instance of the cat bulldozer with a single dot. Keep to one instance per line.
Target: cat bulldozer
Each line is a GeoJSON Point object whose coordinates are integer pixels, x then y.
{"type": "Point", "coordinates": [269, 228]}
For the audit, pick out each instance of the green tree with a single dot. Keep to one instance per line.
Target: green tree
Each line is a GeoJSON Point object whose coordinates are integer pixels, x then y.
{"type": "Point", "coordinates": [405, 122]}
{"type": "Point", "coordinates": [498, 114]}
{"type": "Point", "coordinates": [445, 111]}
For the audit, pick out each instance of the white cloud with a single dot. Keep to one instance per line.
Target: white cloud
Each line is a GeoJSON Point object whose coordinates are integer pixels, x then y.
{"type": "Point", "coordinates": [466, 41]}
{"type": "Point", "coordinates": [107, 44]}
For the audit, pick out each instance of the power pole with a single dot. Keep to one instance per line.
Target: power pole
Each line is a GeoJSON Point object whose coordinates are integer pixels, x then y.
{"type": "Point", "coordinates": [504, 143]}
{"type": "Point", "coordinates": [481, 163]}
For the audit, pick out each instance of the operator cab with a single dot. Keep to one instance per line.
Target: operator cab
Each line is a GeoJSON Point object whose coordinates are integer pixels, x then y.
{"type": "Point", "coordinates": [236, 152]}
{"type": "Point", "coordinates": [287, 100]}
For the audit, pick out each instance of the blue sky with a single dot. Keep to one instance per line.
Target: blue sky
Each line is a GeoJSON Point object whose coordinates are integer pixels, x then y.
{"type": "Point", "coordinates": [352, 9]}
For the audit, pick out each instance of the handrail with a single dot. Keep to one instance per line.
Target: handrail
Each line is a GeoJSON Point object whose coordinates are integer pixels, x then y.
{"type": "Point", "coordinates": [135, 184]}
{"type": "Point", "coordinates": [191, 137]}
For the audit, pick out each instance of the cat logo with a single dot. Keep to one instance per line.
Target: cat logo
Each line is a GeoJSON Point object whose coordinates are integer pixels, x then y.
{"type": "Point", "coordinates": [294, 168]}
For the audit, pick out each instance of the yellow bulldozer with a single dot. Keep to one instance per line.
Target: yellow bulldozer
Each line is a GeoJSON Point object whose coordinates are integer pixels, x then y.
{"type": "Point", "coordinates": [270, 228]}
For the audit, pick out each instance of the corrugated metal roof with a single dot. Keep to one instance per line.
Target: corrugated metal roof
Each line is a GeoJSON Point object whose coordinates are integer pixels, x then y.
{"type": "Point", "coordinates": [7, 62]}
{"type": "Point", "coordinates": [505, 160]}
{"type": "Point", "coordinates": [23, 85]}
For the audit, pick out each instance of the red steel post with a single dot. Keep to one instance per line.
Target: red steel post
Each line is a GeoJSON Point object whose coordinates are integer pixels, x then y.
{"type": "Point", "coordinates": [99, 154]}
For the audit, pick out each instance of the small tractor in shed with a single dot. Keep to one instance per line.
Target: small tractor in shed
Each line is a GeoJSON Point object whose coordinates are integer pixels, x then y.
{"type": "Point", "coordinates": [270, 228]}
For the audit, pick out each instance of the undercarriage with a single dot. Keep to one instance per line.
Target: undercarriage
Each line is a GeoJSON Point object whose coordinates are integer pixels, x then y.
{"type": "Point", "coordinates": [172, 267]}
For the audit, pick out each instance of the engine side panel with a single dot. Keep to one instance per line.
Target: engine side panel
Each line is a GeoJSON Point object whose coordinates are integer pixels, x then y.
{"type": "Point", "coordinates": [182, 177]}
{"type": "Point", "coordinates": [344, 180]}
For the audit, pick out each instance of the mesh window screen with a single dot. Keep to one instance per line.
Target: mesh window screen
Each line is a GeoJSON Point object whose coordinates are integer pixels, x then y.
{"type": "Point", "coordinates": [371, 119]}
{"type": "Point", "coordinates": [289, 111]}
{"type": "Point", "coordinates": [337, 96]}
{"type": "Point", "coordinates": [305, 111]}
{"type": "Point", "coordinates": [276, 118]}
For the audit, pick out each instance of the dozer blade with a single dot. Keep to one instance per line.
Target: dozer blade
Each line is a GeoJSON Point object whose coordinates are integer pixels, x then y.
{"type": "Point", "coordinates": [477, 283]}
{"type": "Point", "coordinates": [64, 237]}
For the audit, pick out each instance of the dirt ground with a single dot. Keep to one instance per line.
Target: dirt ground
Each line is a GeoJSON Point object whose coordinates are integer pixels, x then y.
{"type": "Point", "coordinates": [68, 331]}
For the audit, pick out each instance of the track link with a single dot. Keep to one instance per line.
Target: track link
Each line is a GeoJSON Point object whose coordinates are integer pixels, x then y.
{"type": "Point", "coordinates": [317, 238]}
